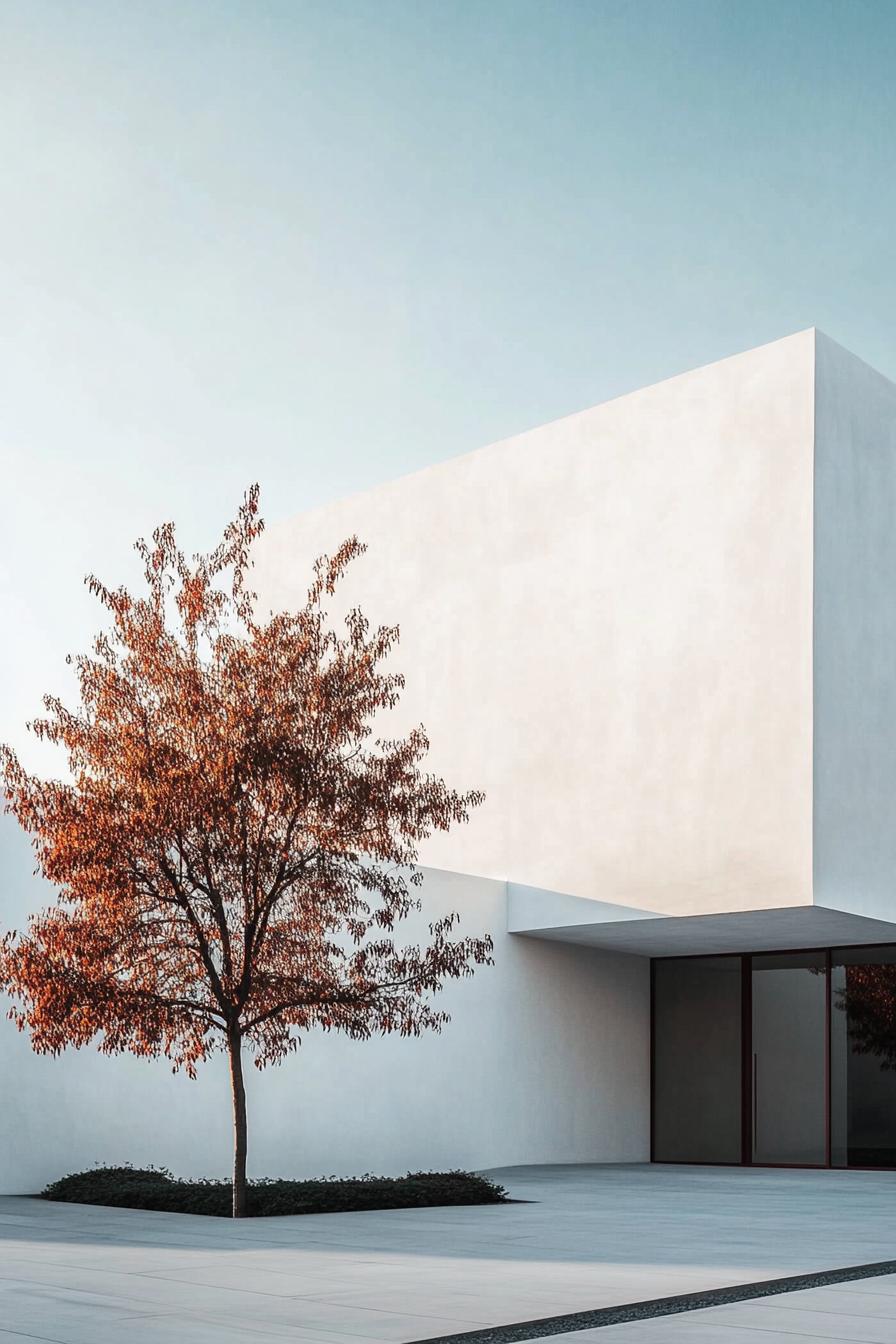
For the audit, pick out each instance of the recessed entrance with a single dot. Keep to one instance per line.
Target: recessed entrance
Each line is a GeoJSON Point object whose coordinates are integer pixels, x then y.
{"type": "Point", "coordinates": [776, 1059]}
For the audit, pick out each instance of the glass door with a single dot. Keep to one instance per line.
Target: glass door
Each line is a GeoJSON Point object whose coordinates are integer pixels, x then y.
{"type": "Point", "coordinates": [789, 1051]}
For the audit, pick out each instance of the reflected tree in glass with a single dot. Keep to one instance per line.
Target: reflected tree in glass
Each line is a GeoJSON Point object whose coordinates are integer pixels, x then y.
{"type": "Point", "coordinates": [863, 1057]}
{"type": "Point", "coordinates": [869, 1000]}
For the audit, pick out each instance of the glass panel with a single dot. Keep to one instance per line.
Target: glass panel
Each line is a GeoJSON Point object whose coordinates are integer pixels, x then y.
{"type": "Point", "coordinates": [863, 1057]}
{"type": "Point", "coordinates": [789, 1048]}
{"type": "Point", "coordinates": [697, 1059]}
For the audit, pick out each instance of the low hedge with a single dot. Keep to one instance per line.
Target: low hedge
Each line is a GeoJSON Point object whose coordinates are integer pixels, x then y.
{"type": "Point", "coordinates": [155, 1188]}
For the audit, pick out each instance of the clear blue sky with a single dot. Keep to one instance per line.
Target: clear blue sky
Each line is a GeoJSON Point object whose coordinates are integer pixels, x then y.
{"type": "Point", "coordinates": [322, 244]}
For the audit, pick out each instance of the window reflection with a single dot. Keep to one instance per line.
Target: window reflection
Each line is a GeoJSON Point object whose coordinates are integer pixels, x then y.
{"type": "Point", "coordinates": [816, 1088]}
{"type": "Point", "coordinates": [863, 1057]}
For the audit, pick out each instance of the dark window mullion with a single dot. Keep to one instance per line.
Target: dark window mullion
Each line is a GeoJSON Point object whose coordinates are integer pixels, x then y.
{"type": "Point", "coordinates": [827, 1060]}
{"type": "Point", "coordinates": [746, 1028]}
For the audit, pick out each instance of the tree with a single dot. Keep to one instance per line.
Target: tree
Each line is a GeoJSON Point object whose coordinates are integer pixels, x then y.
{"type": "Point", "coordinates": [233, 848]}
{"type": "Point", "coordinates": [869, 1000]}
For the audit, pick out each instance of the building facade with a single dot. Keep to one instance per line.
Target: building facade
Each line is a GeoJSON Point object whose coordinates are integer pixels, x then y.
{"type": "Point", "coordinates": [660, 635]}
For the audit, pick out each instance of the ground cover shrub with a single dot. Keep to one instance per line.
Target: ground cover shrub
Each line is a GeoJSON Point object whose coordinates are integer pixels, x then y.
{"type": "Point", "coordinates": [155, 1188]}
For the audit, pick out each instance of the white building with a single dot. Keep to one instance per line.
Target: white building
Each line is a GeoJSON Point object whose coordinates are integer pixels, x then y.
{"type": "Point", "coordinates": [661, 635]}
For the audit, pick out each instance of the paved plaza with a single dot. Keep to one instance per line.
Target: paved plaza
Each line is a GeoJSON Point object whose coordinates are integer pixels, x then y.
{"type": "Point", "coordinates": [588, 1237]}
{"type": "Point", "coordinates": [862, 1311]}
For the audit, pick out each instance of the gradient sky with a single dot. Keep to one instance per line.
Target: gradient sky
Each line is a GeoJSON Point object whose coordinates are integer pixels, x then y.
{"type": "Point", "coordinates": [323, 244]}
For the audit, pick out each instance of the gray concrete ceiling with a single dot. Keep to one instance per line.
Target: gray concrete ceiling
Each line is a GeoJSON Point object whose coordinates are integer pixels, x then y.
{"type": "Point", "coordinates": [742, 931]}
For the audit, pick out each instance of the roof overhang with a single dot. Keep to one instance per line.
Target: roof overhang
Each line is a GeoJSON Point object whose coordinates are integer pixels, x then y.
{"type": "Point", "coordinates": [573, 919]}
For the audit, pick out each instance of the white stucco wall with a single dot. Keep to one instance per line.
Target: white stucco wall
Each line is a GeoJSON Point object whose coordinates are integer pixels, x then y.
{"type": "Point", "coordinates": [607, 625]}
{"type": "Point", "coordinates": [545, 1060]}
{"type": "Point", "coordinates": [855, 635]}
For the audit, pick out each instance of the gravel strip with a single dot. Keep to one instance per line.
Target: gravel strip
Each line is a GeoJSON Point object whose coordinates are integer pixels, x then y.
{"type": "Point", "coordinates": [567, 1324]}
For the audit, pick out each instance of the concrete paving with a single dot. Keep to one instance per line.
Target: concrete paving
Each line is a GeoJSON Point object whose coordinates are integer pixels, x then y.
{"type": "Point", "coordinates": [593, 1236]}
{"type": "Point", "coordinates": [861, 1313]}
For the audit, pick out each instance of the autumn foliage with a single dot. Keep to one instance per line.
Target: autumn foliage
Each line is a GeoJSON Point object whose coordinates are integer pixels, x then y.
{"type": "Point", "coordinates": [234, 847]}
{"type": "Point", "coordinates": [869, 1001]}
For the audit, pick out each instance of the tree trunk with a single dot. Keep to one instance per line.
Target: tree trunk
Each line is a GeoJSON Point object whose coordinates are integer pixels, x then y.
{"type": "Point", "coordinates": [235, 1047]}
